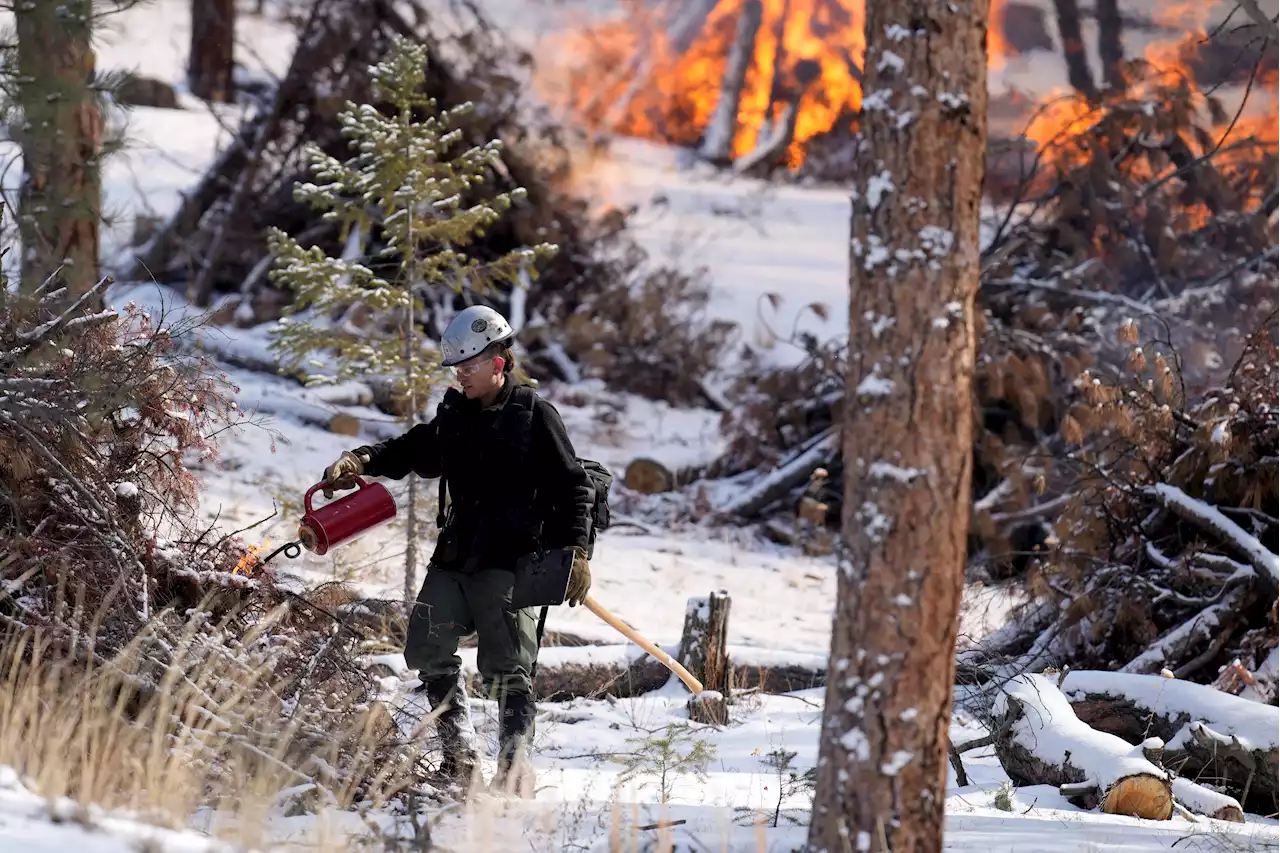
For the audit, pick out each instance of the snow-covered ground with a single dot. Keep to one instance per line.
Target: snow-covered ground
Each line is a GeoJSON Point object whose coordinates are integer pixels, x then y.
{"type": "Point", "coordinates": [753, 240]}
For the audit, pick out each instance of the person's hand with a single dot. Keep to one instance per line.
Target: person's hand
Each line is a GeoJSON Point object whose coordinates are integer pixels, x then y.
{"type": "Point", "coordinates": [342, 474]}
{"type": "Point", "coordinates": [579, 579]}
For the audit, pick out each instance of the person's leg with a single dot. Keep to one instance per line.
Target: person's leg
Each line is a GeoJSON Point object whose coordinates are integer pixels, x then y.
{"type": "Point", "coordinates": [441, 617]}
{"type": "Point", "coordinates": [507, 652]}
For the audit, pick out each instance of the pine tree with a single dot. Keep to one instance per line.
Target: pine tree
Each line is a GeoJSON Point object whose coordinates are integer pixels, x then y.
{"type": "Point", "coordinates": [408, 185]}
{"type": "Point", "coordinates": [908, 429]}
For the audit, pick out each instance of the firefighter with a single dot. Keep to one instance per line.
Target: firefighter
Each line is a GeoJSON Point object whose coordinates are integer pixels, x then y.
{"type": "Point", "coordinates": [510, 484]}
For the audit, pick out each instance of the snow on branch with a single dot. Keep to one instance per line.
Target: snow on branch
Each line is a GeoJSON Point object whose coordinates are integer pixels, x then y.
{"type": "Point", "coordinates": [1173, 645]}
{"type": "Point", "coordinates": [779, 481]}
{"type": "Point", "coordinates": [1212, 520]}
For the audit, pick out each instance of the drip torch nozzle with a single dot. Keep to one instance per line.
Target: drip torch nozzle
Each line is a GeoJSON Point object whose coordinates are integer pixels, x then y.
{"type": "Point", "coordinates": [290, 549]}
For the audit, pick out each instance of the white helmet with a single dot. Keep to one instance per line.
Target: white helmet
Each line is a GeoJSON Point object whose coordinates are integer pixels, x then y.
{"type": "Point", "coordinates": [471, 331]}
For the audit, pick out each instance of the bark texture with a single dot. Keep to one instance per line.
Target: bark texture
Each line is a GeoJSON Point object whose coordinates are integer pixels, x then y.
{"type": "Point", "coordinates": [908, 427]}
{"type": "Point", "coordinates": [211, 63]}
{"type": "Point", "coordinates": [60, 200]}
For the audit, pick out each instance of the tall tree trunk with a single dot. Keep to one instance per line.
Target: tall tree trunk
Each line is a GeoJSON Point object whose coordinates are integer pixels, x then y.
{"type": "Point", "coordinates": [60, 200]}
{"type": "Point", "coordinates": [1110, 44]}
{"type": "Point", "coordinates": [1078, 72]}
{"type": "Point", "coordinates": [906, 443]}
{"type": "Point", "coordinates": [211, 63]}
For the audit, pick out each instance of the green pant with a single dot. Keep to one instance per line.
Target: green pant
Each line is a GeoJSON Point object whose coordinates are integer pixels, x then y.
{"type": "Point", "coordinates": [452, 605]}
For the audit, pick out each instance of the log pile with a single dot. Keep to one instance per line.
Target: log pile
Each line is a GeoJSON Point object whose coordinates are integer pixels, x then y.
{"type": "Point", "coordinates": [215, 245]}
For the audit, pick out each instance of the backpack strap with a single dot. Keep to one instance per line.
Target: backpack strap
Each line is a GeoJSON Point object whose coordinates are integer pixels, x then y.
{"type": "Point", "coordinates": [444, 410]}
{"type": "Point", "coordinates": [525, 397]}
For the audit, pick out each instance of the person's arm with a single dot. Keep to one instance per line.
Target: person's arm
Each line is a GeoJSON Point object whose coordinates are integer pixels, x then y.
{"type": "Point", "coordinates": [417, 450]}
{"type": "Point", "coordinates": [562, 482]}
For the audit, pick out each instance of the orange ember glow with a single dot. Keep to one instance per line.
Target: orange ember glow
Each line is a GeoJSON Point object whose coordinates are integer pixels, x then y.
{"type": "Point", "coordinates": [249, 563]}
{"type": "Point", "coordinates": [637, 83]}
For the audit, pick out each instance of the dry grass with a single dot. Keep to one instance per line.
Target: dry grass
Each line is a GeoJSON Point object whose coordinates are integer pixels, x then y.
{"type": "Point", "coordinates": [205, 729]}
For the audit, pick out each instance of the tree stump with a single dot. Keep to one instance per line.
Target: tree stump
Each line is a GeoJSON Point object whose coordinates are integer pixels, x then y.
{"type": "Point", "coordinates": [704, 651]}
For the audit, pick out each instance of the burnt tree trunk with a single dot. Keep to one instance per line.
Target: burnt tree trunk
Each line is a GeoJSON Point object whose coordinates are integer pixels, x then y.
{"type": "Point", "coordinates": [717, 145]}
{"type": "Point", "coordinates": [60, 199]}
{"type": "Point", "coordinates": [1110, 45]}
{"type": "Point", "coordinates": [1078, 72]}
{"type": "Point", "coordinates": [882, 769]}
{"type": "Point", "coordinates": [211, 63]}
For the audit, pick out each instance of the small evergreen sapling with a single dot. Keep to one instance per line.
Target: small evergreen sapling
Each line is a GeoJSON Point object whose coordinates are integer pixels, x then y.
{"type": "Point", "coordinates": [407, 189]}
{"type": "Point", "coordinates": [668, 754]}
{"type": "Point", "coordinates": [406, 185]}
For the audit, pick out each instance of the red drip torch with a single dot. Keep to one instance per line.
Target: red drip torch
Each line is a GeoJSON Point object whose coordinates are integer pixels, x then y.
{"type": "Point", "coordinates": [341, 520]}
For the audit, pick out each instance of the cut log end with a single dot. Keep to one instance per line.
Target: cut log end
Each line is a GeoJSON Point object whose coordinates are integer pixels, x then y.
{"type": "Point", "coordinates": [1142, 795]}
{"type": "Point", "coordinates": [1231, 814]}
{"type": "Point", "coordinates": [648, 477]}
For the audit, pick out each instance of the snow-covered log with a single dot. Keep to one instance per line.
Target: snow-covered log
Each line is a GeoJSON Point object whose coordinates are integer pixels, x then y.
{"type": "Point", "coordinates": [1208, 734]}
{"type": "Point", "coordinates": [1198, 799]}
{"type": "Point", "coordinates": [1041, 741]}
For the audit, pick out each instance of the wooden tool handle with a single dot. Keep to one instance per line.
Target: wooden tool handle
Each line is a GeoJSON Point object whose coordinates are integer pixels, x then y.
{"type": "Point", "coordinates": [631, 634]}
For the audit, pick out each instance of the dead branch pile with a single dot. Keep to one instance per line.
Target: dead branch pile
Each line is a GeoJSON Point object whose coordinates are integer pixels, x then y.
{"type": "Point", "coordinates": [103, 566]}
{"type": "Point", "coordinates": [1137, 255]}
{"type": "Point", "coordinates": [216, 242]}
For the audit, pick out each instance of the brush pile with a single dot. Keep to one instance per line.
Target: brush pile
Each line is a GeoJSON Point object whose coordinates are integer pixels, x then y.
{"type": "Point", "coordinates": [1125, 396]}
{"type": "Point", "coordinates": [107, 578]}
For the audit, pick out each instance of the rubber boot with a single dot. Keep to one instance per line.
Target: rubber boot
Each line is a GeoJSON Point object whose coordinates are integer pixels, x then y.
{"type": "Point", "coordinates": [458, 741]}
{"type": "Point", "coordinates": [515, 776]}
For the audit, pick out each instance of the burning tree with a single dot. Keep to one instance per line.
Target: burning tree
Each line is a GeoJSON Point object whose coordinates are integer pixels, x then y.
{"type": "Point", "coordinates": [425, 201]}
{"type": "Point", "coordinates": [913, 280]}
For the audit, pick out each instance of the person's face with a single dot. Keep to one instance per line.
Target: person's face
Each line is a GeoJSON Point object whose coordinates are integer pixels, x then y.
{"type": "Point", "coordinates": [480, 375]}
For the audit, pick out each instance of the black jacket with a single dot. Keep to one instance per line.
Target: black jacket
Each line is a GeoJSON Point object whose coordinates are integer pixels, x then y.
{"type": "Point", "coordinates": [513, 478]}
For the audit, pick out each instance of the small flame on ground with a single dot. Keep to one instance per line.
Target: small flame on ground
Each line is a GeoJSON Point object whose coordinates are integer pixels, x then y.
{"type": "Point", "coordinates": [250, 561]}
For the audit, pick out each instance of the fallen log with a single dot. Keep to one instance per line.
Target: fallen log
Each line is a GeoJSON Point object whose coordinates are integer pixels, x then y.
{"type": "Point", "coordinates": [1041, 741]}
{"type": "Point", "coordinates": [1198, 799]}
{"type": "Point", "coordinates": [623, 671]}
{"type": "Point", "coordinates": [1208, 734]}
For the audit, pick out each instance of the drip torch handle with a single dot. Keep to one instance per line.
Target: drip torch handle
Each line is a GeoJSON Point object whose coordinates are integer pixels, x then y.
{"type": "Point", "coordinates": [306, 500]}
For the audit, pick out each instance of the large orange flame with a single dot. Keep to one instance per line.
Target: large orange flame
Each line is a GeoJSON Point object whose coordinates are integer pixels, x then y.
{"type": "Point", "coordinates": [631, 79]}
{"type": "Point", "coordinates": [635, 82]}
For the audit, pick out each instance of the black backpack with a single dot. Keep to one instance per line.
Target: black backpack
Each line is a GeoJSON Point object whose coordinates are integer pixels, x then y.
{"type": "Point", "coordinates": [597, 474]}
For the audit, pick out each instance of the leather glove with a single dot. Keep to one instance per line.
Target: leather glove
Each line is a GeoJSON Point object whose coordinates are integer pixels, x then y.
{"type": "Point", "coordinates": [342, 474]}
{"type": "Point", "coordinates": [579, 579]}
